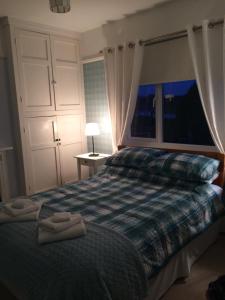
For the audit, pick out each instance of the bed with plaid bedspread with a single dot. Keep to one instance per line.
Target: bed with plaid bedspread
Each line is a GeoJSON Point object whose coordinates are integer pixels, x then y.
{"type": "Point", "coordinates": [156, 214]}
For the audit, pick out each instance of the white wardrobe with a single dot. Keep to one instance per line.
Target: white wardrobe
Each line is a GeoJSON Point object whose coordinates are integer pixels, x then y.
{"type": "Point", "coordinates": [47, 103]}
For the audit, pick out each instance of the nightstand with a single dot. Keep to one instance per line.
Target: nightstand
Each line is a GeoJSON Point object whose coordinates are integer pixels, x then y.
{"type": "Point", "coordinates": [93, 162]}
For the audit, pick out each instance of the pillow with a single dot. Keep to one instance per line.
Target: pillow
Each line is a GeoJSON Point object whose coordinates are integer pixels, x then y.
{"type": "Point", "coordinates": [134, 157]}
{"type": "Point", "coordinates": [185, 166]}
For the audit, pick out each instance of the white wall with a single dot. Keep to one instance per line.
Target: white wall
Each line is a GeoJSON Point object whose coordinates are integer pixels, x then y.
{"type": "Point", "coordinates": [1, 49]}
{"type": "Point", "coordinates": [92, 42]}
{"type": "Point", "coordinates": [6, 136]}
{"type": "Point", "coordinates": [2, 54]}
{"type": "Point", "coordinates": [162, 19]}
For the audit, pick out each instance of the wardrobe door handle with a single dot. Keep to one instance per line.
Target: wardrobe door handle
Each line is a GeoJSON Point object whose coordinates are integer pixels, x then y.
{"type": "Point", "coordinates": [56, 140]}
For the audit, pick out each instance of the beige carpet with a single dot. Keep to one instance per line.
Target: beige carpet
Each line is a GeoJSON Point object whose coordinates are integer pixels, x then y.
{"type": "Point", "coordinates": [206, 269]}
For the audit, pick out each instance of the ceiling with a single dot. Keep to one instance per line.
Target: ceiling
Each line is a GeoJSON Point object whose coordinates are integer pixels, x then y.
{"type": "Point", "coordinates": [84, 14]}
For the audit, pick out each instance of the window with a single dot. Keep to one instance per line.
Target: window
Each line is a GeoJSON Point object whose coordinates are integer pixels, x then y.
{"type": "Point", "coordinates": [96, 105]}
{"type": "Point", "coordinates": [181, 119]}
{"type": "Point", "coordinates": [144, 123]}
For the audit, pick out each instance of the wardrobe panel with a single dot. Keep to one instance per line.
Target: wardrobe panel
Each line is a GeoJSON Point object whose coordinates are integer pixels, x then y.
{"type": "Point", "coordinates": [67, 86]}
{"type": "Point", "coordinates": [66, 73]}
{"type": "Point", "coordinates": [34, 46]}
{"type": "Point", "coordinates": [68, 162]}
{"type": "Point", "coordinates": [71, 144]}
{"type": "Point", "coordinates": [41, 131]}
{"type": "Point", "coordinates": [69, 129]}
{"type": "Point", "coordinates": [65, 50]}
{"type": "Point", "coordinates": [37, 86]}
{"type": "Point", "coordinates": [42, 153]}
{"type": "Point", "coordinates": [44, 169]}
{"type": "Point", "coordinates": [35, 70]}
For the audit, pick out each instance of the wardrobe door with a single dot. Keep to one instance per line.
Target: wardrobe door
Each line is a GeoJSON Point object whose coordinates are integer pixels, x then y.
{"type": "Point", "coordinates": [70, 145]}
{"type": "Point", "coordinates": [66, 70]}
{"type": "Point", "coordinates": [43, 153]}
{"type": "Point", "coordinates": [35, 70]}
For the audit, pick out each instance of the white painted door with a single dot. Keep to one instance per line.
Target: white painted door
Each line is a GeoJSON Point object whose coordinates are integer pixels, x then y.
{"type": "Point", "coordinates": [43, 153]}
{"type": "Point", "coordinates": [35, 71]}
{"type": "Point", "coordinates": [70, 145]}
{"type": "Point", "coordinates": [66, 72]}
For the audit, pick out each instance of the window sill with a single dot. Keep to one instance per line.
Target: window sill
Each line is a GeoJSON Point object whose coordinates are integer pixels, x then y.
{"type": "Point", "coordinates": [145, 142]}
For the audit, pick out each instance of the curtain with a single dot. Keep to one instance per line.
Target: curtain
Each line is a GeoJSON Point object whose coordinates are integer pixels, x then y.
{"type": "Point", "coordinates": [123, 67]}
{"type": "Point", "coordinates": [207, 51]}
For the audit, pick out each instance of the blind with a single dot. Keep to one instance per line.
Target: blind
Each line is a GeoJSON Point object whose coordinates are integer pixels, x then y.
{"type": "Point", "coordinates": [167, 61]}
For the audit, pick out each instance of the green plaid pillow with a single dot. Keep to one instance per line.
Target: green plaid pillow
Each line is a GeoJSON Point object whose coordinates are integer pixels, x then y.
{"type": "Point", "coordinates": [185, 166]}
{"type": "Point", "coordinates": [134, 157]}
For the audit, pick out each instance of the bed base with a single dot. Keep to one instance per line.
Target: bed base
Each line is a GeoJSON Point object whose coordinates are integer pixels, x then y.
{"type": "Point", "coordinates": [180, 265]}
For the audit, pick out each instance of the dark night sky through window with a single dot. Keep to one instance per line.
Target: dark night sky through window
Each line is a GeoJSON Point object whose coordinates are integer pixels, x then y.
{"type": "Point", "coordinates": [183, 118]}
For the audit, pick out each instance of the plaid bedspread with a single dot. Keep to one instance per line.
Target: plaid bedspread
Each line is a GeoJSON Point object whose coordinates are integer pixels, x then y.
{"type": "Point", "coordinates": [103, 265]}
{"type": "Point", "coordinates": [157, 214]}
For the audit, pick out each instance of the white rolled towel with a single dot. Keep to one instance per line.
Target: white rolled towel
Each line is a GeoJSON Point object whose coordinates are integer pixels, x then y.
{"type": "Point", "coordinates": [52, 223]}
{"type": "Point", "coordinates": [70, 233]}
{"type": "Point", "coordinates": [30, 216]}
{"type": "Point", "coordinates": [61, 217]}
{"type": "Point", "coordinates": [20, 207]}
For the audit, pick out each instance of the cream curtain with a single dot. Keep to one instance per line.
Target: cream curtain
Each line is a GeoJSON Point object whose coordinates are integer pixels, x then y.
{"type": "Point", "coordinates": [123, 67]}
{"type": "Point", "coordinates": [207, 51]}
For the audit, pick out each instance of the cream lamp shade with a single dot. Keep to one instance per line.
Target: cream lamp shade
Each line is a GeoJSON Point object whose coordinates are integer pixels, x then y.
{"type": "Point", "coordinates": [92, 129]}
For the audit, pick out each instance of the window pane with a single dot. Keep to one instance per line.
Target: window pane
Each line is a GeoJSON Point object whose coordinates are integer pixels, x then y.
{"type": "Point", "coordinates": [184, 121]}
{"type": "Point", "coordinates": [143, 124]}
{"type": "Point", "coordinates": [96, 105]}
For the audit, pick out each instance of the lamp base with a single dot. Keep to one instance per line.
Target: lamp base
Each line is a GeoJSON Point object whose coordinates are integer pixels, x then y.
{"type": "Point", "coordinates": [93, 154]}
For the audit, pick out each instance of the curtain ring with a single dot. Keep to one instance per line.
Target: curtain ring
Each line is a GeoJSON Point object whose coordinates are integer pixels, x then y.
{"type": "Point", "coordinates": [194, 28]}
{"type": "Point", "coordinates": [131, 45]}
{"type": "Point", "coordinates": [110, 50]}
{"type": "Point", "coordinates": [211, 25]}
{"type": "Point", "coordinates": [141, 43]}
{"type": "Point", "coordinates": [120, 47]}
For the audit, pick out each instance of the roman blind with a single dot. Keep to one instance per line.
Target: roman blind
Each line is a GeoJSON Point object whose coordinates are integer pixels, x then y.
{"type": "Point", "coordinates": [166, 62]}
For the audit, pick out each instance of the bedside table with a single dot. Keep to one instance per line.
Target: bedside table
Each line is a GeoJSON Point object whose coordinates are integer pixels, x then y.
{"type": "Point", "coordinates": [92, 162]}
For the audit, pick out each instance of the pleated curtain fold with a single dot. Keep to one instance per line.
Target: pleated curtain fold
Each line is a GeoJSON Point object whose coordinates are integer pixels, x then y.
{"type": "Point", "coordinates": [123, 67]}
{"type": "Point", "coordinates": [207, 51]}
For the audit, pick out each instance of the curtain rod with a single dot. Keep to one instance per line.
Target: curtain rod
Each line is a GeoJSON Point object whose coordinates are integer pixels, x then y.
{"type": "Point", "coordinates": [176, 35]}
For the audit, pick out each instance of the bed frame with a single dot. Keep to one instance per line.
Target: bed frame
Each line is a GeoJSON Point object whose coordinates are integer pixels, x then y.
{"type": "Point", "coordinates": [220, 180]}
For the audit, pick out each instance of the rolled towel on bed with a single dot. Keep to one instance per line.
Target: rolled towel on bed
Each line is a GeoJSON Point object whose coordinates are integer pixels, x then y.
{"type": "Point", "coordinates": [70, 233]}
{"type": "Point", "coordinates": [61, 217]}
{"type": "Point", "coordinates": [52, 223]}
{"type": "Point", "coordinates": [20, 207]}
{"type": "Point", "coordinates": [5, 217]}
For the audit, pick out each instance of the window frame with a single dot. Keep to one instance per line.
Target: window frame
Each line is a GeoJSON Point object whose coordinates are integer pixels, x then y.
{"type": "Point", "coordinates": [157, 142]}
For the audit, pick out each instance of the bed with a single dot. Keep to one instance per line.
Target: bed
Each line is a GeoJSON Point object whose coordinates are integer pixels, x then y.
{"type": "Point", "coordinates": [143, 228]}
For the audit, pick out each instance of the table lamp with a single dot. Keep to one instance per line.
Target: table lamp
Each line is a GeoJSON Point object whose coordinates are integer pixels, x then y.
{"type": "Point", "coordinates": [92, 129]}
